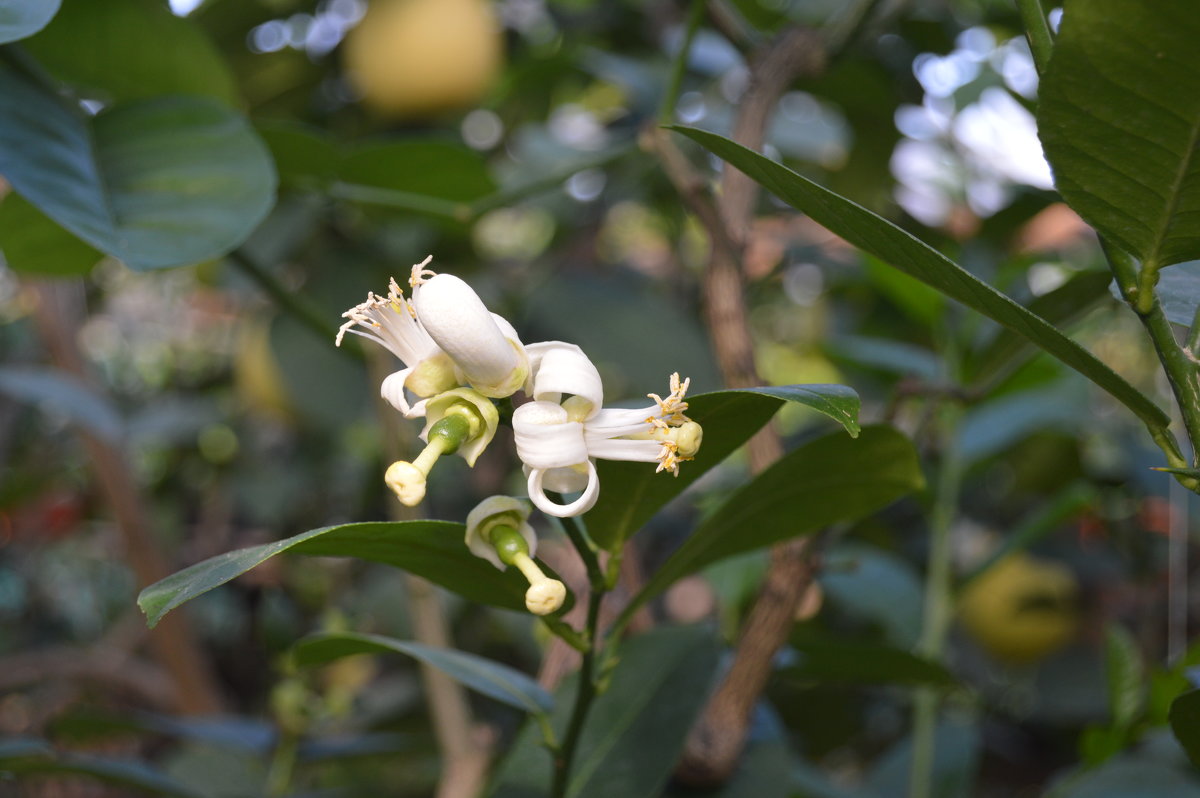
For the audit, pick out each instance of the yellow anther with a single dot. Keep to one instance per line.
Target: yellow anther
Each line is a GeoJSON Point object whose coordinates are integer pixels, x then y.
{"type": "Point", "coordinates": [671, 409]}
{"type": "Point", "coordinates": [420, 274]}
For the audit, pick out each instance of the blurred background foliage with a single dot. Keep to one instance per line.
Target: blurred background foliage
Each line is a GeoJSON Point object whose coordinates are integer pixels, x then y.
{"type": "Point", "coordinates": [503, 138]}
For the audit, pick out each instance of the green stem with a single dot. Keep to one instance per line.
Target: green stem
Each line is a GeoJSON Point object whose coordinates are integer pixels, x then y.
{"type": "Point", "coordinates": [938, 602]}
{"type": "Point", "coordinates": [586, 548]}
{"type": "Point", "coordinates": [1193, 341]}
{"type": "Point", "coordinates": [1137, 288]}
{"type": "Point", "coordinates": [584, 696]}
{"type": "Point", "coordinates": [1037, 30]}
{"type": "Point", "coordinates": [288, 300]}
{"type": "Point", "coordinates": [666, 111]}
{"type": "Point", "coordinates": [283, 763]}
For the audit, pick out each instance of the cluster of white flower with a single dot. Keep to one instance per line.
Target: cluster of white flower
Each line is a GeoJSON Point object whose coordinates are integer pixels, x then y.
{"type": "Point", "coordinates": [458, 357]}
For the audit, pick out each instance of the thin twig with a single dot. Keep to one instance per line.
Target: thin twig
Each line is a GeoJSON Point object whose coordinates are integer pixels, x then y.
{"type": "Point", "coordinates": [1037, 30]}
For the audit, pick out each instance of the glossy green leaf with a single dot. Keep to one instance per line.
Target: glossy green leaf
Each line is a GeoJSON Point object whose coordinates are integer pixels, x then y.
{"type": "Point", "coordinates": [888, 242]}
{"type": "Point", "coordinates": [832, 660]}
{"type": "Point", "coordinates": [33, 243]}
{"type": "Point", "coordinates": [834, 478]}
{"type": "Point", "coordinates": [1126, 682]}
{"type": "Point", "coordinates": [1119, 118]}
{"type": "Point", "coordinates": [63, 393]}
{"type": "Point", "coordinates": [635, 729]}
{"type": "Point", "coordinates": [630, 493]}
{"type": "Point", "coordinates": [1060, 307]}
{"type": "Point", "coordinates": [156, 183]}
{"type": "Point", "coordinates": [27, 756]}
{"type": "Point", "coordinates": [123, 50]}
{"type": "Point", "coordinates": [432, 549]}
{"type": "Point", "coordinates": [1185, 723]}
{"type": "Point", "coordinates": [21, 18]}
{"type": "Point", "coordinates": [492, 679]}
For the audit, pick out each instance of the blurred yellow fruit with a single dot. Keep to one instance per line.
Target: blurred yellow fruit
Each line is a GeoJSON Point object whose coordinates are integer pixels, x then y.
{"type": "Point", "coordinates": [1022, 609]}
{"type": "Point", "coordinates": [416, 58]}
{"type": "Point", "coordinates": [257, 378]}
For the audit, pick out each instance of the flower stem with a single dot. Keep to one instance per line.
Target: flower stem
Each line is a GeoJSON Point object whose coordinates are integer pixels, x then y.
{"type": "Point", "coordinates": [584, 695]}
{"type": "Point", "coordinates": [585, 547]}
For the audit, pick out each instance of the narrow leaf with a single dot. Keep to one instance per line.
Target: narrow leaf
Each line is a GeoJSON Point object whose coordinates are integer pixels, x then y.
{"type": "Point", "coordinates": [630, 493]}
{"type": "Point", "coordinates": [157, 183]}
{"type": "Point", "coordinates": [1126, 684]}
{"type": "Point", "coordinates": [432, 549]}
{"type": "Point", "coordinates": [26, 756]}
{"type": "Point", "coordinates": [833, 478]}
{"type": "Point", "coordinates": [901, 250]}
{"type": "Point", "coordinates": [482, 675]}
{"type": "Point", "coordinates": [1119, 117]}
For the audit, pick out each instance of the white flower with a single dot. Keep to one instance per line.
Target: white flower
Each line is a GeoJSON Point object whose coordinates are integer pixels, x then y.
{"type": "Point", "coordinates": [484, 346]}
{"type": "Point", "coordinates": [499, 532]}
{"type": "Point", "coordinates": [392, 322]}
{"type": "Point", "coordinates": [558, 440]}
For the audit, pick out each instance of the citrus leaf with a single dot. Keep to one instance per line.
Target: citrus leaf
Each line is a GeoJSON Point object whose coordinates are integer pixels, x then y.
{"type": "Point", "coordinates": [1185, 723]}
{"type": "Point", "coordinates": [492, 679]}
{"type": "Point", "coordinates": [21, 18]}
{"type": "Point", "coordinates": [833, 478]}
{"type": "Point", "coordinates": [126, 50]}
{"type": "Point", "coordinates": [1119, 118]}
{"type": "Point", "coordinates": [879, 237]}
{"type": "Point", "coordinates": [630, 493]}
{"type": "Point", "coordinates": [156, 183]}
{"type": "Point", "coordinates": [33, 243]}
{"type": "Point", "coordinates": [432, 549]}
{"type": "Point", "coordinates": [634, 730]}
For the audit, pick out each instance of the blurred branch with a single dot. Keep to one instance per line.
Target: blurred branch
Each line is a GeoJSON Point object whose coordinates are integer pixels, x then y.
{"type": "Point", "coordinates": [463, 746]}
{"type": "Point", "coordinates": [58, 308]}
{"type": "Point", "coordinates": [717, 739]}
{"type": "Point", "coordinates": [289, 300]}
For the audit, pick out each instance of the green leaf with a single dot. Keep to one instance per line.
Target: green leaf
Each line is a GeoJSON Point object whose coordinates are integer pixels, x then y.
{"type": "Point", "coordinates": [957, 748]}
{"type": "Point", "coordinates": [1119, 118]}
{"type": "Point", "coordinates": [33, 243]}
{"type": "Point", "coordinates": [1126, 683]}
{"type": "Point", "coordinates": [157, 183]}
{"type": "Point", "coordinates": [875, 587]}
{"type": "Point", "coordinates": [25, 756]}
{"type": "Point", "coordinates": [832, 660]}
{"type": "Point", "coordinates": [884, 240]}
{"type": "Point", "coordinates": [482, 675]}
{"type": "Point", "coordinates": [1060, 307]}
{"type": "Point", "coordinates": [51, 388]}
{"type": "Point", "coordinates": [21, 18]}
{"type": "Point", "coordinates": [1185, 723]}
{"type": "Point", "coordinates": [432, 549]}
{"type": "Point", "coordinates": [123, 50]}
{"type": "Point", "coordinates": [304, 156]}
{"type": "Point", "coordinates": [630, 493]}
{"type": "Point", "coordinates": [439, 178]}
{"type": "Point", "coordinates": [833, 478]}
{"type": "Point", "coordinates": [635, 729]}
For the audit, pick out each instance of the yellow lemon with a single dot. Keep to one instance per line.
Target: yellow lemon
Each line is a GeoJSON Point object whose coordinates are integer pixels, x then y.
{"type": "Point", "coordinates": [417, 58]}
{"type": "Point", "coordinates": [1022, 609]}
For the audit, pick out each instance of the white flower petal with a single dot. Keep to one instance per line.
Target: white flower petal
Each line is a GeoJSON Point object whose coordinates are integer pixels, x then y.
{"type": "Point", "coordinates": [559, 368]}
{"type": "Point", "coordinates": [585, 502]}
{"type": "Point", "coordinates": [545, 438]}
{"type": "Point", "coordinates": [462, 326]}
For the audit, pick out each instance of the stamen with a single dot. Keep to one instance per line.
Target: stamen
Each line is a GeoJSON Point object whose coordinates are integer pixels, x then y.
{"type": "Point", "coordinates": [420, 274]}
{"type": "Point", "coordinates": [671, 409]}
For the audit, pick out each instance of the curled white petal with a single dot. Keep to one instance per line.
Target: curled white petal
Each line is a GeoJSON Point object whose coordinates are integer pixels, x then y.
{"type": "Point", "coordinates": [585, 502]}
{"type": "Point", "coordinates": [559, 368]}
{"type": "Point", "coordinates": [545, 437]}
